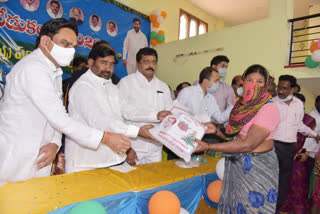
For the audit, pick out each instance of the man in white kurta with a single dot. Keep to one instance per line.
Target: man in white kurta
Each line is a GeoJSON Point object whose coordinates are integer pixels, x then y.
{"type": "Point", "coordinates": [145, 99]}
{"type": "Point", "coordinates": [94, 101]}
{"type": "Point", "coordinates": [202, 103]}
{"type": "Point", "coordinates": [134, 41]}
{"type": "Point", "coordinates": [32, 115]}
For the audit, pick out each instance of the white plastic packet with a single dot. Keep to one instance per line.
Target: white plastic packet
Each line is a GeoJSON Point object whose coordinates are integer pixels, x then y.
{"type": "Point", "coordinates": [178, 130]}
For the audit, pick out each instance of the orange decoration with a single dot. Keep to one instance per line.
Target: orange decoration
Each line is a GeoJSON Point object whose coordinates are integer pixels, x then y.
{"type": "Point", "coordinates": [161, 32]}
{"type": "Point", "coordinates": [163, 14]}
{"type": "Point", "coordinates": [154, 42]}
{"type": "Point", "coordinates": [153, 18]}
{"type": "Point", "coordinates": [214, 191]}
{"type": "Point", "coordinates": [164, 202]}
{"type": "Point", "coordinates": [155, 24]}
{"type": "Point", "coordinates": [314, 46]}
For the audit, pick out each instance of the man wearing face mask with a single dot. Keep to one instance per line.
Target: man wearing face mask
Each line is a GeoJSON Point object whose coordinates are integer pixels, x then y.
{"type": "Point", "coordinates": [291, 115]}
{"type": "Point", "coordinates": [144, 99]}
{"type": "Point", "coordinates": [32, 114]}
{"type": "Point", "coordinates": [224, 94]}
{"type": "Point", "coordinates": [200, 100]}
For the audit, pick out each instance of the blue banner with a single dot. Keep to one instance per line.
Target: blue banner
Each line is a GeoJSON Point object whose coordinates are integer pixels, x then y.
{"type": "Point", "coordinates": [21, 20]}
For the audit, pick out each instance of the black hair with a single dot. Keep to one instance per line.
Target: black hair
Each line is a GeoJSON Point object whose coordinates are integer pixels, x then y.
{"type": "Point", "coordinates": [52, 27]}
{"type": "Point", "coordinates": [100, 51]}
{"type": "Point", "coordinates": [94, 15]}
{"type": "Point", "coordinates": [290, 78]}
{"type": "Point", "coordinates": [55, 2]}
{"type": "Point", "coordinates": [300, 96]}
{"type": "Point", "coordinates": [179, 87]}
{"type": "Point", "coordinates": [78, 60]}
{"type": "Point", "coordinates": [100, 42]}
{"type": "Point", "coordinates": [146, 52]}
{"type": "Point", "coordinates": [234, 80]}
{"type": "Point", "coordinates": [257, 69]}
{"type": "Point", "coordinates": [298, 86]}
{"type": "Point", "coordinates": [217, 59]}
{"type": "Point", "coordinates": [318, 99]}
{"type": "Point", "coordinates": [136, 20]}
{"type": "Point", "coordinates": [206, 74]}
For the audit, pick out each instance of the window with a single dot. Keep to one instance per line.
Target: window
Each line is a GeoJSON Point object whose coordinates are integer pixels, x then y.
{"type": "Point", "coordinates": [190, 25]}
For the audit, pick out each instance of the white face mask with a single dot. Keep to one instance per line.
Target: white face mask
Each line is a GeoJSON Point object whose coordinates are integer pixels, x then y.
{"type": "Point", "coordinates": [222, 72]}
{"type": "Point", "coordinates": [63, 56]}
{"type": "Point", "coordinates": [240, 91]}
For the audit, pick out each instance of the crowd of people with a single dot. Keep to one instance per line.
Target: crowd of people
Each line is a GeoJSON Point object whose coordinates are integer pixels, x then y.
{"type": "Point", "coordinates": [271, 145]}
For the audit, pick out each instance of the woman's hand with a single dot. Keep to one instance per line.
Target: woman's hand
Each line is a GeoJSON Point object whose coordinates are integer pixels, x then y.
{"type": "Point", "coordinates": [211, 128]}
{"type": "Point", "coordinates": [202, 146]}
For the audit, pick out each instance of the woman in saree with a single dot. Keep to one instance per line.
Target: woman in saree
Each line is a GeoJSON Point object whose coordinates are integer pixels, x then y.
{"type": "Point", "coordinates": [315, 185]}
{"type": "Point", "coordinates": [251, 168]}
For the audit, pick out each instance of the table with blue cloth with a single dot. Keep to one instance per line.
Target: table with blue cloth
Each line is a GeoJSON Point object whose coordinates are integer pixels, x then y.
{"type": "Point", "coordinates": [118, 192]}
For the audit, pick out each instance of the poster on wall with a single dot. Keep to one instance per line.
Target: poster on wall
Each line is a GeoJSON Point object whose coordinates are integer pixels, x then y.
{"type": "Point", "coordinates": [109, 20]}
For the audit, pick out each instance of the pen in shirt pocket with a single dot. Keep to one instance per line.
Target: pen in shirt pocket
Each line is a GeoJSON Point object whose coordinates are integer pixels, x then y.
{"type": "Point", "coordinates": [159, 92]}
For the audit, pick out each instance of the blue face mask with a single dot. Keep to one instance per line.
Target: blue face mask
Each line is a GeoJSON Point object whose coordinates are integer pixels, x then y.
{"type": "Point", "coordinates": [213, 88]}
{"type": "Point", "coordinates": [289, 97]}
{"type": "Point", "coordinates": [222, 72]}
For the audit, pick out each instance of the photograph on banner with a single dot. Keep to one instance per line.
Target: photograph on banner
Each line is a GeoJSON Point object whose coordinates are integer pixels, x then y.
{"type": "Point", "coordinates": [95, 22]}
{"type": "Point", "coordinates": [30, 5]}
{"type": "Point", "coordinates": [76, 15]}
{"type": "Point", "coordinates": [112, 28]}
{"type": "Point", "coordinates": [54, 9]}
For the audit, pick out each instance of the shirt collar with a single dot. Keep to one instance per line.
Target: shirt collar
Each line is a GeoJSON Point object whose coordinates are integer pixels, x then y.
{"type": "Point", "coordinates": [97, 79]}
{"type": "Point", "coordinates": [143, 78]}
{"type": "Point", "coordinates": [199, 90]}
{"type": "Point", "coordinates": [294, 100]}
{"type": "Point", "coordinates": [56, 71]}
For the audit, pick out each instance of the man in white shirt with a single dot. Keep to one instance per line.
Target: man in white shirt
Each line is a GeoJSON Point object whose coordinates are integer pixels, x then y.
{"type": "Point", "coordinates": [291, 114]}
{"type": "Point", "coordinates": [144, 99]}
{"type": "Point", "coordinates": [112, 28]}
{"type": "Point", "coordinates": [54, 9]}
{"type": "Point", "coordinates": [200, 100]}
{"type": "Point", "coordinates": [31, 5]}
{"type": "Point", "coordinates": [32, 114]}
{"type": "Point", "coordinates": [95, 24]}
{"type": "Point", "coordinates": [134, 41]}
{"type": "Point", "coordinates": [94, 101]}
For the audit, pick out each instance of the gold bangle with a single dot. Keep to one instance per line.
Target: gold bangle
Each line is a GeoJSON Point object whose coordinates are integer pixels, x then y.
{"type": "Point", "coordinates": [104, 137]}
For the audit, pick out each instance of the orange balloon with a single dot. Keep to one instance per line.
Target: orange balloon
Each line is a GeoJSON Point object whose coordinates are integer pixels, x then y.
{"type": "Point", "coordinates": [163, 14]}
{"type": "Point", "coordinates": [154, 42]}
{"type": "Point", "coordinates": [153, 18]}
{"type": "Point", "coordinates": [164, 202]}
{"type": "Point", "coordinates": [161, 32]}
{"type": "Point", "coordinates": [214, 191]}
{"type": "Point", "coordinates": [314, 46]}
{"type": "Point", "coordinates": [155, 24]}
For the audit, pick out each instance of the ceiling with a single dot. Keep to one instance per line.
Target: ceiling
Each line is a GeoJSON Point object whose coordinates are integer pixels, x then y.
{"type": "Point", "coordinates": [235, 12]}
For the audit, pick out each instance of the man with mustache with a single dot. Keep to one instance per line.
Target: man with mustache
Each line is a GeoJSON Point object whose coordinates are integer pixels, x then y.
{"type": "Point", "coordinates": [53, 10]}
{"type": "Point", "coordinates": [291, 115]}
{"type": "Point", "coordinates": [94, 100]}
{"type": "Point", "coordinates": [144, 99]}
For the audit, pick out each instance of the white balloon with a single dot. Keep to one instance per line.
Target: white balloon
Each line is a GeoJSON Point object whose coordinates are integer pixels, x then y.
{"type": "Point", "coordinates": [160, 19]}
{"type": "Point", "coordinates": [316, 55]}
{"type": "Point", "coordinates": [184, 211]}
{"type": "Point", "coordinates": [154, 28]}
{"type": "Point", "coordinates": [220, 168]}
{"type": "Point", "coordinates": [156, 12]}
